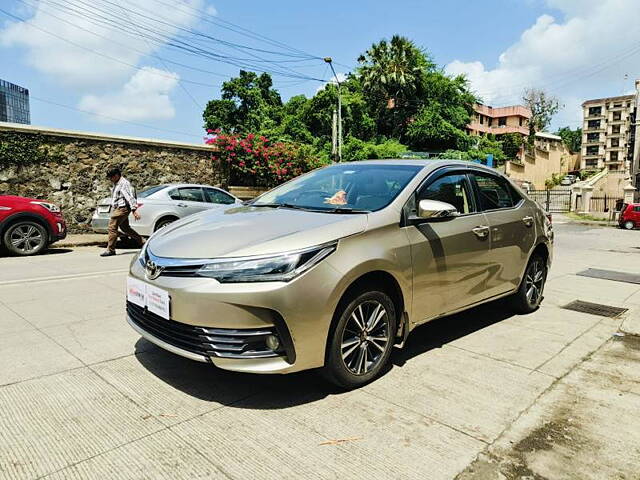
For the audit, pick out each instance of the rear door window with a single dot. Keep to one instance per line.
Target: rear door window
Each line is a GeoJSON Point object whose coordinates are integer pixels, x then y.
{"type": "Point", "coordinates": [191, 194]}
{"type": "Point", "coordinates": [214, 195]}
{"type": "Point", "coordinates": [494, 192]}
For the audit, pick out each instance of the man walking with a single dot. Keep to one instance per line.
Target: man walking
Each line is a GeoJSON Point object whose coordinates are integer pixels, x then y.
{"type": "Point", "coordinates": [123, 202]}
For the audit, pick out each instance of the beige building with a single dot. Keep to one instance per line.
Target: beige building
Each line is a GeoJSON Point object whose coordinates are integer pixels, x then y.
{"type": "Point", "coordinates": [486, 119]}
{"type": "Point", "coordinates": [536, 166]}
{"type": "Point", "coordinates": [609, 132]}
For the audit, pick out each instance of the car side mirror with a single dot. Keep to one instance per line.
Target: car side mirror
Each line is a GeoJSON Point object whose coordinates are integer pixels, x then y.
{"type": "Point", "coordinates": [436, 210]}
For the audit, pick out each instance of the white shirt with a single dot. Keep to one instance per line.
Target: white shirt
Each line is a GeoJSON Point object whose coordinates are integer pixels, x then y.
{"type": "Point", "coordinates": [123, 195]}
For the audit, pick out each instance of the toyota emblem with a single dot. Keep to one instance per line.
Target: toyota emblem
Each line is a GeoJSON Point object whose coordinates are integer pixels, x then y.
{"type": "Point", "coordinates": [152, 270]}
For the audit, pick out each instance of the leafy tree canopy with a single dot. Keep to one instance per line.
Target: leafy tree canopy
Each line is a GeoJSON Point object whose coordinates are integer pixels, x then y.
{"type": "Point", "coordinates": [571, 138]}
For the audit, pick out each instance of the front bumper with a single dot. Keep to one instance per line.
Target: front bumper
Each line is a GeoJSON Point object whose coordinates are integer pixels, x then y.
{"type": "Point", "coordinates": [300, 312]}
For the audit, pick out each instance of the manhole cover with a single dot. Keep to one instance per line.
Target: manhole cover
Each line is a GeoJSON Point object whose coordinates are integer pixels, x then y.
{"type": "Point", "coordinates": [594, 309]}
{"type": "Point", "coordinates": [610, 275]}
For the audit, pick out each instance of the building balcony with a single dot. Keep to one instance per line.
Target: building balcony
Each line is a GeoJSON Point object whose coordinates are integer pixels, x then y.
{"type": "Point", "coordinates": [598, 116]}
{"type": "Point", "coordinates": [593, 142]}
{"type": "Point", "coordinates": [600, 129]}
{"type": "Point", "coordinates": [592, 156]}
{"type": "Point", "coordinates": [497, 130]}
{"type": "Point", "coordinates": [619, 148]}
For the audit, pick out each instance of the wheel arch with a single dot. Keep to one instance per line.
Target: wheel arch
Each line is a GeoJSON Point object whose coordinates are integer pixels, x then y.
{"type": "Point", "coordinates": [381, 280]}
{"type": "Point", "coordinates": [162, 217]}
{"type": "Point", "coordinates": [17, 217]}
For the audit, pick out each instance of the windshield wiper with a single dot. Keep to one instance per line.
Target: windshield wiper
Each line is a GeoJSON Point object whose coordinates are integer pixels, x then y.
{"type": "Point", "coordinates": [279, 205]}
{"type": "Point", "coordinates": [346, 210]}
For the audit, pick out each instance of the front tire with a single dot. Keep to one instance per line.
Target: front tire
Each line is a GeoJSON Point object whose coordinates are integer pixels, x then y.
{"type": "Point", "coordinates": [25, 238]}
{"type": "Point", "coordinates": [360, 345]}
{"type": "Point", "coordinates": [629, 225]}
{"type": "Point", "coordinates": [529, 296]}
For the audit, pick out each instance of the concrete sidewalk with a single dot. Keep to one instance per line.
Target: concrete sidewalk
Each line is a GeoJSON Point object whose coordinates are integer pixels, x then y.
{"type": "Point", "coordinates": [82, 240]}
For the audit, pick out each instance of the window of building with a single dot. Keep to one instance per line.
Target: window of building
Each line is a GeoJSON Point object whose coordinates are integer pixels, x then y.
{"type": "Point", "coordinates": [617, 105]}
{"type": "Point", "coordinates": [520, 121]}
{"type": "Point", "coordinates": [617, 116]}
{"type": "Point", "coordinates": [613, 167]}
{"type": "Point", "coordinates": [594, 124]}
{"type": "Point", "coordinates": [594, 150]}
{"type": "Point", "coordinates": [615, 142]}
{"type": "Point", "coordinates": [615, 129]}
{"type": "Point", "coordinates": [595, 111]}
{"type": "Point", "coordinates": [613, 156]}
{"type": "Point", "coordinates": [481, 119]}
{"type": "Point", "coordinates": [502, 121]}
{"type": "Point", "coordinates": [593, 137]}
{"type": "Point", "coordinates": [591, 163]}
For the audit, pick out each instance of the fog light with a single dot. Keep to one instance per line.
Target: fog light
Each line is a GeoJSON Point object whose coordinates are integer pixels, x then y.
{"type": "Point", "coordinates": [272, 342]}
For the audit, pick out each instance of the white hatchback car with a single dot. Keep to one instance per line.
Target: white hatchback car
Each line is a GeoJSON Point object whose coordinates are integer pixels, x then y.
{"type": "Point", "coordinates": [160, 205]}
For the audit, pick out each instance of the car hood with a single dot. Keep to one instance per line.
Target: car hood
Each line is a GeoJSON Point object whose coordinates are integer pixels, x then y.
{"type": "Point", "coordinates": [246, 230]}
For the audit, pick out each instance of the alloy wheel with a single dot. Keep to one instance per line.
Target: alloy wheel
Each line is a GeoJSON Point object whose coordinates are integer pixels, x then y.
{"type": "Point", "coordinates": [629, 225]}
{"type": "Point", "coordinates": [534, 281]}
{"type": "Point", "coordinates": [366, 337]}
{"type": "Point", "coordinates": [26, 238]}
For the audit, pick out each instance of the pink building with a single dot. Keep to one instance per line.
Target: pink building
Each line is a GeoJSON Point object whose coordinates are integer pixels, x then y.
{"type": "Point", "coordinates": [486, 119]}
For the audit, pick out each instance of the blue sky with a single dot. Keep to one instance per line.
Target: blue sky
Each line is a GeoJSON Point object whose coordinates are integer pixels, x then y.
{"type": "Point", "coordinates": [577, 49]}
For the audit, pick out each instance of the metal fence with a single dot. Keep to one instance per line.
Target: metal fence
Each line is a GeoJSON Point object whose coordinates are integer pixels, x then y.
{"type": "Point", "coordinates": [553, 201]}
{"type": "Point", "coordinates": [605, 204]}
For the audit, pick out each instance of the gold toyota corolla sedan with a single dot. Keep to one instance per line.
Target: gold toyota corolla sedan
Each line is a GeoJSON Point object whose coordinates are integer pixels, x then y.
{"type": "Point", "coordinates": [335, 267]}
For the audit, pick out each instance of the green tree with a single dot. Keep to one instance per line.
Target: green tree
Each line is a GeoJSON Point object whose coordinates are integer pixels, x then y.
{"type": "Point", "coordinates": [248, 104]}
{"type": "Point", "coordinates": [571, 138]}
{"type": "Point", "coordinates": [441, 121]}
{"type": "Point", "coordinates": [511, 144]}
{"type": "Point", "coordinates": [393, 75]}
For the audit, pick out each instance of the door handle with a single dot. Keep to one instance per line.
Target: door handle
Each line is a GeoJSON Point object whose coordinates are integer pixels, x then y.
{"type": "Point", "coordinates": [481, 231]}
{"type": "Point", "coordinates": [528, 221]}
{"type": "Point", "coordinates": [183, 205]}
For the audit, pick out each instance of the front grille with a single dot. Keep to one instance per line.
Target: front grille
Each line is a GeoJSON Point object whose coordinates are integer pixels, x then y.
{"type": "Point", "coordinates": [208, 342]}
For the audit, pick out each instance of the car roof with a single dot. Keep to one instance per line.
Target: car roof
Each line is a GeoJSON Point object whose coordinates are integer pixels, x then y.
{"type": "Point", "coordinates": [431, 164]}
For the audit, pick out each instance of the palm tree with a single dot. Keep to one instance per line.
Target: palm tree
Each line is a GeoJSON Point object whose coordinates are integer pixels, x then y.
{"type": "Point", "coordinates": [393, 71]}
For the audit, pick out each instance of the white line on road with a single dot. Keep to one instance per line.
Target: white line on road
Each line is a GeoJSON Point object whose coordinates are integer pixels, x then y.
{"type": "Point", "coordinates": [62, 277]}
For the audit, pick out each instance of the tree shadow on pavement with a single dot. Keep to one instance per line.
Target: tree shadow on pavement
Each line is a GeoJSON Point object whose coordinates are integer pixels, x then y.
{"type": "Point", "coordinates": [252, 391]}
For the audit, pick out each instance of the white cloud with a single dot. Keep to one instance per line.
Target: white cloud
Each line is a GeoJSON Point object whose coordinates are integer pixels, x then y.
{"type": "Point", "coordinates": [74, 65]}
{"type": "Point", "coordinates": [211, 10]}
{"type": "Point", "coordinates": [586, 54]}
{"type": "Point", "coordinates": [144, 97]}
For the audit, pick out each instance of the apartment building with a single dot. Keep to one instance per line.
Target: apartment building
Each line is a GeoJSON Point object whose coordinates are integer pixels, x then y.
{"type": "Point", "coordinates": [609, 133]}
{"type": "Point", "coordinates": [512, 119]}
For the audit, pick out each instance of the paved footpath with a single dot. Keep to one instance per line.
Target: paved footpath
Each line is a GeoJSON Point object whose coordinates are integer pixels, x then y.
{"type": "Point", "coordinates": [484, 394]}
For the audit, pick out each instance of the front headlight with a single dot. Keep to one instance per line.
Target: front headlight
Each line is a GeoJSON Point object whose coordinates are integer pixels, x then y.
{"type": "Point", "coordinates": [276, 268]}
{"type": "Point", "coordinates": [49, 206]}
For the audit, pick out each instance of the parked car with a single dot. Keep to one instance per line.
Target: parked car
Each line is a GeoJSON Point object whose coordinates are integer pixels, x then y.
{"type": "Point", "coordinates": [335, 267]}
{"type": "Point", "coordinates": [567, 180]}
{"type": "Point", "coordinates": [163, 204]}
{"type": "Point", "coordinates": [28, 225]}
{"type": "Point", "coordinates": [629, 216]}
{"type": "Point", "coordinates": [574, 178]}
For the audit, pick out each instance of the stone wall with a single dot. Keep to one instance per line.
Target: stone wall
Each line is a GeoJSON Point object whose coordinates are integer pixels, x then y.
{"type": "Point", "coordinates": [74, 177]}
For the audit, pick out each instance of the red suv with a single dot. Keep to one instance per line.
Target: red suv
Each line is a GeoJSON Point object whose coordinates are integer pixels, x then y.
{"type": "Point", "coordinates": [28, 225]}
{"type": "Point", "coordinates": [630, 216]}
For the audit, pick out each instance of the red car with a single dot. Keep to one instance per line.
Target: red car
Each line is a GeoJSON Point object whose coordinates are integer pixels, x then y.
{"type": "Point", "coordinates": [28, 225]}
{"type": "Point", "coordinates": [629, 216]}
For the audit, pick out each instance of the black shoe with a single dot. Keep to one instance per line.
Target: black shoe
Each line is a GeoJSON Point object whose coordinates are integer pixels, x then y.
{"type": "Point", "coordinates": [107, 253]}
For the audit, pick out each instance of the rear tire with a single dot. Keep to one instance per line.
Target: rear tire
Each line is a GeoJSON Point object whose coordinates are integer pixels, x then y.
{"type": "Point", "coordinates": [360, 344]}
{"type": "Point", "coordinates": [163, 222]}
{"type": "Point", "coordinates": [530, 294]}
{"type": "Point", "coordinates": [629, 225]}
{"type": "Point", "coordinates": [25, 238]}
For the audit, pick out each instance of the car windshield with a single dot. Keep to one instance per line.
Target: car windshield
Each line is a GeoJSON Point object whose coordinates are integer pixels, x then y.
{"type": "Point", "coordinates": [342, 188]}
{"type": "Point", "coordinates": [150, 191]}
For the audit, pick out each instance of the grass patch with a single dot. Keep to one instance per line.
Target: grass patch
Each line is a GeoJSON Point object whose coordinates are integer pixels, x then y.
{"type": "Point", "coordinates": [585, 216]}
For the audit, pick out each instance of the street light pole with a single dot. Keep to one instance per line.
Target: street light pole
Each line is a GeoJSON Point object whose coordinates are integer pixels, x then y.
{"type": "Point", "coordinates": [329, 60]}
